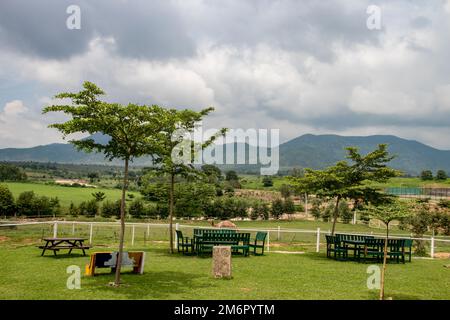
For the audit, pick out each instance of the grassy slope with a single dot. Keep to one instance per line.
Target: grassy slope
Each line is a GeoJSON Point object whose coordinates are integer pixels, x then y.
{"type": "Point", "coordinates": [26, 275]}
{"type": "Point", "coordinates": [65, 194]}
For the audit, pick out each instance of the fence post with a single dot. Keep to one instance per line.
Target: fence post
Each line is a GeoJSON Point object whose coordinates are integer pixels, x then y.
{"type": "Point", "coordinates": [318, 240]}
{"type": "Point", "coordinates": [73, 228]}
{"type": "Point", "coordinates": [55, 230]}
{"type": "Point", "coordinates": [432, 247]}
{"type": "Point", "coordinates": [132, 235]}
{"type": "Point", "coordinates": [177, 227]}
{"type": "Point", "coordinates": [90, 234]}
{"type": "Point", "coordinates": [278, 234]}
{"type": "Point", "coordinates": [268, 241]}
{"type": "Point", "coordinates": [306, 205]}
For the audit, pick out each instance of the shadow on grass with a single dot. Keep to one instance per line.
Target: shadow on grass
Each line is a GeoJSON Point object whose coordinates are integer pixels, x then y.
{"type": "Point", "coordinates": [151, 285]}
{"type": "Point", "coordinates": [375, 295]}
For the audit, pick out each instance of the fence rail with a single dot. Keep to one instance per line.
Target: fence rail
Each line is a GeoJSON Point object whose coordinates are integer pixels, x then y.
{"type": "Point", "coordinates": [421, 192]}
{"type": "Point", "coordinates": [139, 233]}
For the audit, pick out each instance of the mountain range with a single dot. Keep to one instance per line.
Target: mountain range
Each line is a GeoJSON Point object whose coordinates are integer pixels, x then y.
{"type": "Point", "coordinates": [306, 151]}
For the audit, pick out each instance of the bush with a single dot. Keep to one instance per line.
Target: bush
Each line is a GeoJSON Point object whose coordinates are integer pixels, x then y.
{"type": "Point", "coordinates": [267, 181]}
{"type": "Point", "coordinates": [441, 175]}
{"type": "Point", "coordinates": [28, 204]}
{"type": "Point", "coordinates": [11, 173]}
{"type": "Point", "coordinates": [89, 208]}
{"type": "Point", "coordinates": [426, 175]}
{"type": "Point", "coordinates": [73, 210]}
{"type": "Point", "coordinates": [328, 212]}
{"type": "Point", "coordinates": [7, 206]}
{"type": "Point", "coordinates": [137, 209]}
{"type": "Point", "coordinates": [111, 209]}
{"type": "Point", "coordinates": [260, 210]}
{"type": "Point", "coordinates": [277, 208]}
{"type": "Point", "coordinates": [288, 206]}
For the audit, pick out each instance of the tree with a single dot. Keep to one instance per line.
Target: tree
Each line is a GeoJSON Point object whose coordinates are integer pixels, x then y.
{"type": "Point", "coordinates": [345, 181]}
{"type": "Point", "coordinates": [92, 176]}
{"type": "Point", "coordinates": [386, 212]}
{"type": "Point", "coordinates": [286, 191]}
{"type": "Point", "coordinates": [277, 208]}
{"type": "Point", "coordinates": [99, 196]}
{"type": "Point", "coordinates": [136, 209]}
{"type": "Point", "coordinates": [441, 175]}
{"type": "Point", "coordinates": [289, 207]}
{"type": "Point", "coordinates": [212, 171]}
{"type": "Point", "coordinates": [267, 181]}
{"type": "Point", "coordinates": [11, 173]}
{"type": "Point", "coordinates": [176, 150]}
{"type": "Point", "coordinates": [111, 209]}
{"type": "Point", "coordinates": [345, 213]}
{"type": "Point", "coordinates": [7, 206]}
{"type": "Point", "coordinates": [426, 175]}
{"type": "Point", "coordinates": [131, 130]}
{"type": "Point", "coordinates": [315, 208]}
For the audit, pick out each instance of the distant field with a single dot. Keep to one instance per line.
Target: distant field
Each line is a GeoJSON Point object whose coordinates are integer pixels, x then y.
{"type": "Point", "coordinates": [66, 195]}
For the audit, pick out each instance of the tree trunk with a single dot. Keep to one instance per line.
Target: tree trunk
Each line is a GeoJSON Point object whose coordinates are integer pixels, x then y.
{"type": "Point", "coordinates": [335, 215]}
{"type": "Point", "coordinates": [171, 195]}
{"type": "Point", "coordinates": [383, 272]}
{"type": "Point", "coordinates": [122, 225]}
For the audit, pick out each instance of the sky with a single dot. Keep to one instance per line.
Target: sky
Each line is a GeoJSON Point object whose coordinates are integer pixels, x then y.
{"type": "Point", "coordinates": [298, 66]}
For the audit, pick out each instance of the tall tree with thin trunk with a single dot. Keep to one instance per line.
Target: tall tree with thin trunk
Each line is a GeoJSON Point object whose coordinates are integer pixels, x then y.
{"type": "Point", "coordinates": [131, 129]}
{"type": "Point", "coordinates": [349, 181]}
{"type": "Point", "coordinates": [387, 212]}
{"type": "Point", "coordinates": [177, 150]}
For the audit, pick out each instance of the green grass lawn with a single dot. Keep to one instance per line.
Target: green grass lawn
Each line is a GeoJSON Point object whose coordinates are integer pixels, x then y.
{"type": "Point", "coordinates": [24, 274]}
{"type": "Point", "coordinates": [66, 195]}
{"type": "Point", "coordinates": [27, 275]}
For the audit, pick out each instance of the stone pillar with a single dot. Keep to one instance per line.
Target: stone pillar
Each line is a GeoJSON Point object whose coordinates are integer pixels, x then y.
{"type": "Point", "coordinates": [222, 262]}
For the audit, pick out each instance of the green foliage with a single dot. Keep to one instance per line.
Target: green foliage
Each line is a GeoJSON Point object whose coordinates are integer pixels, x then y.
{"type": "Point", "coordinates": [426, 175]}
{"type": "Point", "coordinates": [328, 212]}
{"type": "Point", "coordinates": [345, 213]}
{"type": "Point", "coordinates": [231, 176]}
{"type": "Point", "coordinates": [260, 210]}
{"type": "Point", "coordinates": [111, 209]}
{"type": "Point", "coordinates": [29, 204]}
{"type": "Point", "coordinates": [315, 208]}
{"type": "Point", "coordinates": [73, 210]}
{"type": "Point", "coordinates": [267, 181]}
{"type": "Point", "coordinates": [89, 208]}
{"type": "Point", "coordinates": [99, 196]}
{"type": "Point", "coordinates": [7, 205]}
{"type": "Point", "coordinates": [444, 203]}
{"type": "Point", "coordinates": [277, 208]}
{"type": "Point", "coordinates": [137, 208]}
{"type": "Point", "coordinates": [286, 191]}
{"type": "Point", "coordinates": [441, 175]}
{"type": "Point", "coordinates": [288, 206]}
{"type": "Point", "coordinates": [11, 173]}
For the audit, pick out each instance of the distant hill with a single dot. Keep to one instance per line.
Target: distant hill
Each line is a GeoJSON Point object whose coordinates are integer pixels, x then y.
{"type": "Point", "coordinates": [311, 151]}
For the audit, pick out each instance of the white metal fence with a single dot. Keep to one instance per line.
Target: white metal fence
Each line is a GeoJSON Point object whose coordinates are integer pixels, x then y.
{"type": "Point", "coordinates": [140, 234]}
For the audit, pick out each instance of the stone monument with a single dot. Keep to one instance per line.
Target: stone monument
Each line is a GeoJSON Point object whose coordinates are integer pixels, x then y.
{"type": "Point", "coordinates": [222, 262]}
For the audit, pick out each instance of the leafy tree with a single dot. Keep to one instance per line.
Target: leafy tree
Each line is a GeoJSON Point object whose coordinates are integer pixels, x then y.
{"type": "Point", "coordinates": [212, 172]}
{"type": "Point", "coordinates": [277, 208]}
{"type": "Point", "coordinates": [441, 175]}
{"type": "Point", "coordinates": [288, 206]}
{"type": "Point", "coordinates": [345, 181]}
{"type": "Point", "coordinates": [93, 176]}
{"type": "Point", "coordinates": [328, 212]}
{"type": "Point", "coordinates": [131, 130]}
{"type": "Point", "coordinates": [426, 175]}
{"type": "Point", "coordinates": [7, 206]}
{"type": "Point", "coordinates": [260, 210]}
{"type": "Point", "coordinates": [25, 203]}
{"type": "Point", "coordinates": [267, 181]}
{"type": "Point", "coordinates": [387, 212]}
{"type": "Point", "coordinates": [175, 152]}
{"type": "Point", "coordinates": [286, 191]}
{"type": "Point", "coordinates": [99, 196]}
{"type": "Point", "coordinates": [11, 173]}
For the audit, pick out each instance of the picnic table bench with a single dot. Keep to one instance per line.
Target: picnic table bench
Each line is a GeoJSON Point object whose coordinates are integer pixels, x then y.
{"type": "Point", "coordinates": [237, 241]}
{"type": "Point", "coordinates": [56, 244]}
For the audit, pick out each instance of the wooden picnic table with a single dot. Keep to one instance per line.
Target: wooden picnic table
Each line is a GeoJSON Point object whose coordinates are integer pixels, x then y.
{"type": "Point", "coordinates": [56, 244]}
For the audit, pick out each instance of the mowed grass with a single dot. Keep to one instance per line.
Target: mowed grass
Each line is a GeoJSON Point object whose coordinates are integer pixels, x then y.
{"type": "Point", "coordinates": [66, 195]}
{"type": "Point", "coordinates": [24, 274]}
{"type": "Point", "coordinates": [27, 275]}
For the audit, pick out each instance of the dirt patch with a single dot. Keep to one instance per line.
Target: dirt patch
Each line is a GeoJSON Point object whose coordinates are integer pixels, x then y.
{"type": "Point", "coordinates": [3, 238]}
{"type": "Point", "coordinates": [246, 289]}
{"type": "Point", "coordinates": [442, 255]}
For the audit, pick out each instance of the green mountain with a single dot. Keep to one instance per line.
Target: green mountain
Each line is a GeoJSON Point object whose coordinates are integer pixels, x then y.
{"type": "Point", "coordinates": [310, 151]}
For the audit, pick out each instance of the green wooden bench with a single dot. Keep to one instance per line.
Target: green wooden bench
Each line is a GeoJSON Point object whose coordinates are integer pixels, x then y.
{"type": "Point", "coordinates": [237, 241]}
{"type": "Point", "coordinates": [336, 247]}
{"type": "Point", "coordinates": [396, 249]}
{"type": "Point", "coordinates": [184, 244]}
{"type": "Point", "coordinates": [259, 242]}
{"type": "Point", "coordinates": [373, 248]}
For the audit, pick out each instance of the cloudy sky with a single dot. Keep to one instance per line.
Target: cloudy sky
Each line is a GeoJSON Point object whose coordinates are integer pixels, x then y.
{"type": "Point", "coordinates": [300, 66]}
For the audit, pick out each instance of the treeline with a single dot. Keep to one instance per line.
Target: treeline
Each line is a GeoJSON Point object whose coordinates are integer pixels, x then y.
{"type": "Point", "coordinates": [427, 175]}
{"type": "Point", "coordinates": [11, 173]}
{"type": "Point", "coordinates": [27, 204]}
